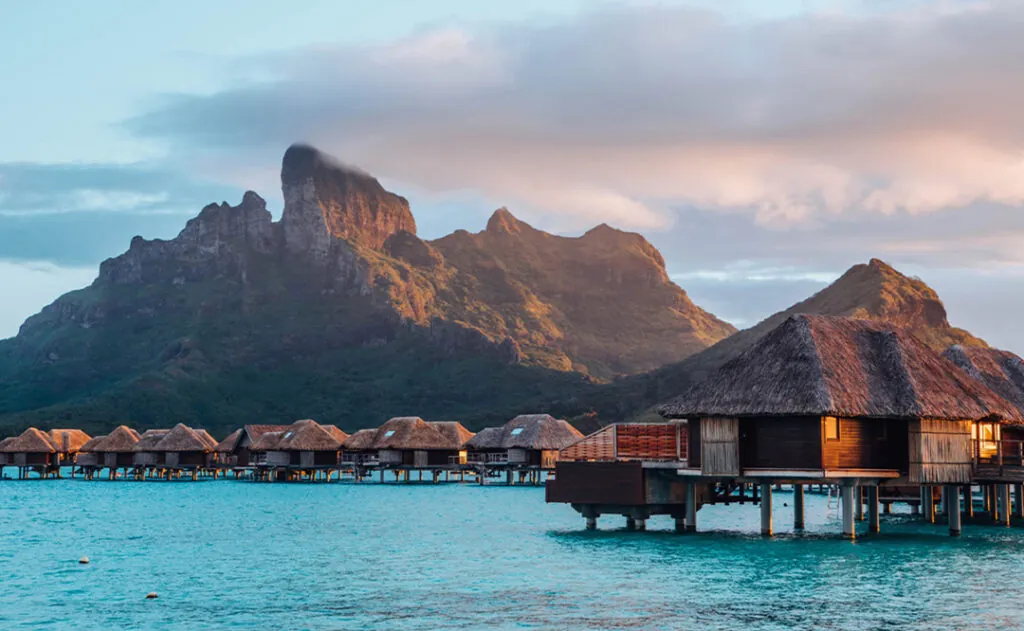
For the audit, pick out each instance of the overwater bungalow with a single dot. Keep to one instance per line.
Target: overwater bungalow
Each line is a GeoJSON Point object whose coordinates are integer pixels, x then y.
{"type": "Point", "coordinates": [234, 451]}
{"type": "Point", "coordinates": [358, 448]}
{"type": "Point", "coordinates": [184, 448]}
{"type": "Point", "coordinates": [260, 451]}
{"type": "Point", "coordinates": [44, 452]}
{"type": "Point", "coordinates": [528, 440]}
{"type": "Point", "coordinates": [144, 452]}
{"type": "Point", "coordinates": [308, 445]}
{"type": "Point", "coordinates": [117, 449]}
{"type": "Point", "coordinates": [5, 458]}
{"type": "Point", "coordinates": [411, 442]}
{"type": "Point", "coordinates": [88, 459]}
{"type": "Point", "coordinates": [837, 400]}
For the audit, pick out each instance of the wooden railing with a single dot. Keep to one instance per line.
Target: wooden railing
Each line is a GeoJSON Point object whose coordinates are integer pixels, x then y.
{"type": "Point", "coordinates": [632, 441]}
{"type": "Point", "coordinates": [1003, 453]}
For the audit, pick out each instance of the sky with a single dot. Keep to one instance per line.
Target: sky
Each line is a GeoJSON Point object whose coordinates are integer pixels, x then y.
{"type": "Point", "coordinates": [762, 147]}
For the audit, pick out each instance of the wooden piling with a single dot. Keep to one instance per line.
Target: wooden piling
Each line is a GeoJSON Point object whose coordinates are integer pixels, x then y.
{"type": "Point", "coordinates": [798, 506]}
{"type": "Point", "coordinates": [952, 494]}
{"type": "Point", "coordinates": [766, 509]}
{"type": "Point", "coordinates": [874, 523]}
{"type": "Point", "coordinates": [691, 507]}
{"type": "Point", "coordinates": [849, 531]}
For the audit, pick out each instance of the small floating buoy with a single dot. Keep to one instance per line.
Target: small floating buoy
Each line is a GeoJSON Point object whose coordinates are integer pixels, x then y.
{"type": "Point", "coordinates": [84, 560]}
{"type": "Point", "coordinates": [151, 596]}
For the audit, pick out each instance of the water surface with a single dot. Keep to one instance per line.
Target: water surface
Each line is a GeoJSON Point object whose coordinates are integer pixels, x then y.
{"type": "Point", "coordinates": [240, 555]}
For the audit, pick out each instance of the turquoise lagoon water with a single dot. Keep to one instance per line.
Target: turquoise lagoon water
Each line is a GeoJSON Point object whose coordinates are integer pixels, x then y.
{"type": "Point", "coordinates": [240, 555]}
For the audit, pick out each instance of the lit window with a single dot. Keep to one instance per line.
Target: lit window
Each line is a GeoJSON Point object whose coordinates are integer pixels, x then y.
{"type": "Point", "coordinates": [389, 433]}
{"type": "Point", "coordinates": [517, 431]}
{"type": "Point", "coordinates": [831, 428]}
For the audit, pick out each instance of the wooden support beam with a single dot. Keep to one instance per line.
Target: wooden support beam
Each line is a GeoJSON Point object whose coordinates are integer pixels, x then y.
{"type": "Point", "coordinates": [860, 503]}
{"type": "Point", "coordinates": [927, 504]}
{"type": "Point", "coordinates": [969, 500]}
{"type": "Point", "coordinates": [848, 500]}
{"type": "Point", "coordinates": [952, 495]}
{"type": "Point", "coordinates": [766, 509]}
{"type": "Point", "coordinates": [874, 523]}
{"type": "Point", "coordinates": [798, 506]}
{"type": "Point", "coordinates": [691, 507]}
{"type": "Point", "coordinates": [1004, 504]}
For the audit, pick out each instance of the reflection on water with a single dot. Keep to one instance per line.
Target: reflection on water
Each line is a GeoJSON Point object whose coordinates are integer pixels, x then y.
{"type": "Point", "coordinates": [236, 555]}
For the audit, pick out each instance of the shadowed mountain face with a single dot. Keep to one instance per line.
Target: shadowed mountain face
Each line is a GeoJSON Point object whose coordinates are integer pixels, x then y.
{"type": "Point", "coordinates": [341, 313]}
{"type": "Point", "coordinates": [872, 291]}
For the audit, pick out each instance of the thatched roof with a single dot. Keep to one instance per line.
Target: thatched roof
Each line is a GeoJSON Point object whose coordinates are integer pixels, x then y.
{"type": "Point", "coordinates": [92, 444]}
{"type": "Point", "coordinates": [411, 432]}
{"type": "Point", "coordinates": [487, 438]}
{"type": "Point", "coordinates": [121, 440]}
{"type": "Point", "coordinates": [456, 434]}
{"type": "Point", "coordinates": [528, 431]}
{"type": "Point", "coordinates": [307, 435]}
{"type": "Point", "coordinates": [228, 444]}
{"type": "Point", "coordinates": [828, 366]}
{"type": "Point", "coordinates": [361, 440]}
{"type": "Point", "coordinates": [338, 434]}
{"type": "Point", "coordinates": [210, 441]}
{"type": "Point", "coordinates": [150, 439]}
{"type": "Point", "coordinates": [255, 431]}
{"type": "Point", "coordinates": [31, 441]}
{"type": "Point", "coordinates": [68, 440]}
{"type": "Point", "coordinates": [267, 441]}
{"type": "Point", "coordinates": [182, 438]}
{"type": "Point", "coordinates": [1002, 371]}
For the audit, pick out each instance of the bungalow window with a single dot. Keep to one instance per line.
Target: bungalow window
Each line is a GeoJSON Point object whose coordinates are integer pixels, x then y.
{"type": "Point", "coordinates": [517, 431]}
{"type": "Point", "coordinates": [831, 428]}
{"type": "Point", "coordinates": [389, 433]}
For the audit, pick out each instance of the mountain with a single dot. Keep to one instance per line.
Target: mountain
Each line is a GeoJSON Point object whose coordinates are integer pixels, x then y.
{"type": "Point", "coordinates": [872, 291]}
{"type": "Point", "coordinates": [340, 312]}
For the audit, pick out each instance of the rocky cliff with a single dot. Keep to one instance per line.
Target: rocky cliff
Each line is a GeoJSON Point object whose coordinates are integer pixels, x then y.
{"type": "Point", "coordinates": [341, 312]}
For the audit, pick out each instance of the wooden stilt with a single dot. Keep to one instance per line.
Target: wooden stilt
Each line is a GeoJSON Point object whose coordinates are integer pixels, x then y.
{"type": "Point", "coordinates": [848, 500]}
{"type": "Point", "coordinates": [969, 500]}
{"type": "Point", "coordinates": [874, 523]}
{"type": "Point", "coordinates": [927, 504]}
{"type": "Point", "coordinates": [766, 510]}
{"type": "Point", "coordinates": [953, 510]}
{"type": "Point", "coordinates": [798, 506]}
{"type": "Point", "coordinates": [691, 507]}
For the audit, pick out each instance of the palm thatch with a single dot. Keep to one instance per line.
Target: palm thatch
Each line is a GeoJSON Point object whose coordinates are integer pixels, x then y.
{"type": "Point", "coordinates": [150, 439]}
{"type": "Point", "coordinates": [487, 438]}
{"type": "Point", "coordinates": [411, 432]}
{"type": "Point", "coordinates": [362, 440]}
{"type": "Point", "coordinates": [307, 435]}
{"type": "Point", "coordinates": [68, 441]}
{"type": "Point", "coordinates": [268, 441]}
{"type": "Point", "coordinates": [31, 441]}
{"type": "Point", "coordinates": [829, 366]}
{"type": "Point", "coordinates": [338, 434]}
{"type": "Point", "coordinates": [182, 438]}
{"type": "Point", "coordinates": [121, 440]}
{"type": "Point", "coordinates": [204, 435]}
{"type": "Point", "coordinates": [92, 444]}
{"type": "Point", "coordinates": [456, 434]}
{"type": "Point", "coordinates": [255, 431]}
{"type": "Point", "coordinates": [1002, 371]}
{"type": "Point", "coordinates": [530, 431]}
{"type": "Point", "coordinates": [228, 444]}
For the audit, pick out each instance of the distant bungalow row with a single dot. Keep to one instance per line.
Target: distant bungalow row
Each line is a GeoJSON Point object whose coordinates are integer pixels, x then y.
{"type": "Point", "coordinates": [523, 449]}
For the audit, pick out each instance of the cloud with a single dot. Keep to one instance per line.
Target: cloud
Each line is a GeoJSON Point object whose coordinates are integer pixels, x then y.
{"type": "Point", "coordinates": [35, 189]}
{"type": "Point", "coordinates": [618, 114]}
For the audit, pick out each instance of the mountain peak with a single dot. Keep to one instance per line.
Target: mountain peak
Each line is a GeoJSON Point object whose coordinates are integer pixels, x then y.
{"type": "Point", "coordinates": [502, 221]}
{"type": "Point", "coordinates": [326, 200]}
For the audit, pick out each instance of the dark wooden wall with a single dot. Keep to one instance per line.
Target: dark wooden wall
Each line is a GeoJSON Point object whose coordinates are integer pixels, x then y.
{"type": "Point", "coordinates": [615, 483]}
{"type": "Point", "coordinates": [780, 442]}
{"type": "Point", "coordinates": [867, 444]}
{"type": "Point", "coordinates": [694, 450]}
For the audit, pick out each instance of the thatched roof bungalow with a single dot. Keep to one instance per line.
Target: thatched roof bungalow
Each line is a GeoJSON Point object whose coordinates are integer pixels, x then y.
{"type": "Point", "coordinates": [358, 447]}
{"type": "Point", "coordinates": [118, 447]}
{"type": "Point", "coordinates": [87, 454]}
{"type": "Point", "coordinates": [838, 396]}
{"type": "Point", "coordinates": [307, 445]}
{"type": "Point", "coordinates": [528, 439]}
{"type": "Point", "coordinates": [53, 449]}
{"type": "Point", "coordinates": [30, 448]}
{"type": "Point", "coordinates": [411, 441]}
{"type": "Point", "coordinates": [184, 447]}
{"type": "Point", "coordinates": [145, 453]}
{"type": "Point", "coordinates": [236, 450]}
